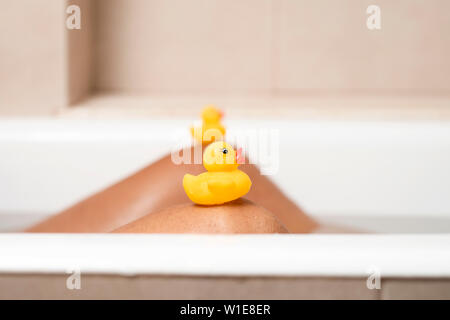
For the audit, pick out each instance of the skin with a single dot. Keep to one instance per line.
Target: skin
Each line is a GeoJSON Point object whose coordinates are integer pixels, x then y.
{"type": "Point", "coordinates": [159, 186]}
{"type": "Point", "coordinates": [239, 216]}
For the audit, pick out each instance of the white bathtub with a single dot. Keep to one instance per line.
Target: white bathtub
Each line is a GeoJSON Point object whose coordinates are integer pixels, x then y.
{"type": "Point", "coordinates": [358, 173]}
{"type": "Point", "coordinates": [386, 178]}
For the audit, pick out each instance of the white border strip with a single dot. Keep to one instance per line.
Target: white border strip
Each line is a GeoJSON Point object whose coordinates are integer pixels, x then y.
{"type": "Point", "coordinates": [237, 255]}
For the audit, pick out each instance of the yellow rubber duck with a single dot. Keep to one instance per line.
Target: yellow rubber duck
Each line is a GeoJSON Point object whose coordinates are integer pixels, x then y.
{"type": "Point", "coordinates": [211, 129]}
{"type": "Point", "coordinates": [223, 182]}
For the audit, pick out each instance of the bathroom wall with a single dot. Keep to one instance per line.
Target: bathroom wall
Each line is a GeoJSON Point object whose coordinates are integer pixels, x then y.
{"type": "Point", "coordinates": [283, 48]}
{"type": "Point", "coordinates": [80, 48]}
{"type": "Point", "coordinates": [32, 56]}
{"type": "Point", "coordinates": [286, 46]}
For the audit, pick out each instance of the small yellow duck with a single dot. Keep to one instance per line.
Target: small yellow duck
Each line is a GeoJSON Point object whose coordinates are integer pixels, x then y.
{"type": "Point", "coordinates": [211, 129]}
{"type": "Point", "coordinates": [223, 182]}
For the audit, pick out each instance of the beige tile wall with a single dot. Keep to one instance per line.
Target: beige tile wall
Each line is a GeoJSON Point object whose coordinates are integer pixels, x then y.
{"type": "Point", "coordinates": [202, 47]}
{"type": "Point", "coordinates": [407, 289]}
{"type": "Point", "coordinates": [272, 45]}
{"type": "Point", "coordinates": [80, 46]}
{"type": "Point", "coordinates": [326, 45]}
{"type": "Point", "coordinates": [178, 46]}
{"type": "Point", "coordinates": [32, 56]}
{"type": "Point", "coordinates": [53, 286]}
{"type": "Point", "coordinates": [16, 286]}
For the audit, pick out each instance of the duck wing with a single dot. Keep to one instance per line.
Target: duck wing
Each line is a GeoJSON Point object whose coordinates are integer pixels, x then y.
{"type": "Point", "coordinates": [220, 184]}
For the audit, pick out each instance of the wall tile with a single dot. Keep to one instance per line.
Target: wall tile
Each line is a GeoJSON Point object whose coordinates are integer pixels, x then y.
{"type": "Point", "coordinates": [183, 46]}
{"type": "Point", "coordinates": [325, 45]}
{"type": "Point", "coordinates": [416, 289]}
{"type": "Point", "coordinates": [184, 287]}
{"type": "Point", "coordinates": [80, 54]}
{"type": "Point", "coordinates": [32, 56]}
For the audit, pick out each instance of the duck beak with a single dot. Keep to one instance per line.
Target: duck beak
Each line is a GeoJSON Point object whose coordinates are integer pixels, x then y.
{"type": "Point", "coordinates": [239, 157]}
{"type": "Point", "coordinates": [221, 114]}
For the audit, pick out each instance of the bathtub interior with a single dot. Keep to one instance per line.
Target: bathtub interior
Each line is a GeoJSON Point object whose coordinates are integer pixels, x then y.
{"type": "Point", "coordinates": [383, 177]}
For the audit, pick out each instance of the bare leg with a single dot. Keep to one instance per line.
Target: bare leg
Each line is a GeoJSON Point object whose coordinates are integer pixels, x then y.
{"type": "Point", "coordinates": [239, 216]}
{"type": "Point", "coordinates": [159, 186]}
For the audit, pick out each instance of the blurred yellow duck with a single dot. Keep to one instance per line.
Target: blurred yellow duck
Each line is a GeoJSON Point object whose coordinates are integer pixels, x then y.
{"type": "Point", "coordinates": [223, 182]}
{"type": "Point", "coordinates": [211, 129]}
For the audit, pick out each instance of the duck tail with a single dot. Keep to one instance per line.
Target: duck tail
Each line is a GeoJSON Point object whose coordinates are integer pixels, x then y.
{"type": "Point", "coordinates": [187, 179]}
{"type": "Point", "coordinates": [188, 183]}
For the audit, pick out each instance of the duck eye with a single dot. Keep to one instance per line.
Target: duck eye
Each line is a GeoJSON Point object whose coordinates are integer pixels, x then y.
{"type": "Point", "coordinates": [224, 151]}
